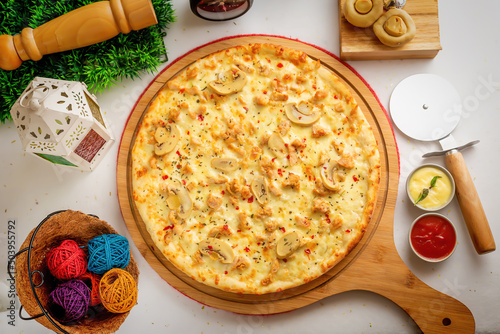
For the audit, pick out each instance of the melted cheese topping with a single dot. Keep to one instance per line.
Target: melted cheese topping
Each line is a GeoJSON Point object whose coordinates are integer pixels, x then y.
{"type": "Point", "coordinates": [238, 126]}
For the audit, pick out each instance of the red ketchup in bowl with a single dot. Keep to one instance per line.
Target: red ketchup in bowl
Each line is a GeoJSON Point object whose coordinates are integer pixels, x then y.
{"type": "Point", "coordinates": [433, 237]}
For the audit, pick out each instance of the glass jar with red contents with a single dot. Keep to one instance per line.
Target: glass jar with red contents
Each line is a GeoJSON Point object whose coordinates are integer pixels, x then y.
{"type": "Point", "coordinates": [433, 237]}
{"type": "Point", "coordinates": [220, 10]}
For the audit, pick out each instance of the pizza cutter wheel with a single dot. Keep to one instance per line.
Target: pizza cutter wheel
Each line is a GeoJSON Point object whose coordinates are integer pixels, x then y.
{"type": "Point", "coordinates": [427, 107]}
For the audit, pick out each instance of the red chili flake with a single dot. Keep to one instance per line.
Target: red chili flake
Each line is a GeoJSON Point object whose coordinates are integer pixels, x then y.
{"type": "Point", "coordinates": [258, 244]}
{"type": "Point", "coordinates": [265, 92]}
{"type": "Point", "coordinates": [222, 192]}
{"type": "Point", "coordinates": [188, 133]}
{"type": "Point", "coordinates": [225, 227]}
{"type": "Point", "coordinates": [238, 231]}
{"type": "Point", "coordinates": [210, 247]}
{"type": "Point", "coordinates": [355, 178]}
{"type": "Point", "coordinates": [286, 145]}
{"type": "Point", "coordinates": [288, 156]}
{"type": "Point", "coordinates": [338, 133]}
{"type": "Point", "coordinates": [282, 229]}
{"type": "Point", "coordinates": [225, 272]}
{"type": "Point", "coordinates": [347, 231]}
{"type": "Point", "coordinates": [308, 251]}
{"type": "Point", "coordinates": [280, 65]}
{"type": "Point", "coordinates": [336, 97]}
{"type": "Point", "coordinates": [178, 153]}
{"type": "Point", "coordinates": [201, 118]}
{"type": "Point", "coordinates": [312, 236]}
{"type": "Point", "coordinates": [247, 249]}
{"type": "Point", "coordinates": [184, 182]}
{"type": "Point", "coordinates": [246, 109]}
{"type": "Point", "coordinates": [314, 87]}
{"type": "Point", "coordinates": [273, 159]}
{"type": "Point", "coordinates": [178, 166]}
{"type": "Point", "coordinates": [268, 60]}
{"type": "Point", "coordinates": [164, 177]}
{"type": "Point", "coordinates": [169, 227]}
{"type": "Point", "coordinates": [237, 208]}
{"type": "Point", "coordinates": [188, 230]}
{"type": "Point", "coordinates": [182, 90]}
{"type": "Point", "coordinates": [250, 200]}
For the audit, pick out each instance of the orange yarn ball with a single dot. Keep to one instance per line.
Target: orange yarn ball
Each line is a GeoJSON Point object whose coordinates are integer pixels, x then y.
{"type": "Point", "coordinates": [67, 261]}
{"type": "Point", "coordinates": [94, 287]}
{"type": "Point", "coordinates": [118, 291]}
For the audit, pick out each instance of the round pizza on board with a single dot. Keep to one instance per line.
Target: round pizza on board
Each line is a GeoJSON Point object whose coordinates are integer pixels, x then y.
{"type": "Point", "coordinates": [254, 169]}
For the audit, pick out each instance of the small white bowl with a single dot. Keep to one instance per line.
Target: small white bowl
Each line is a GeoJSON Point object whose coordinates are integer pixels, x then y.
{"type": "Point", "coordinates": [446, 172]}
{"type": "Point", "coordinates": [430, 259]}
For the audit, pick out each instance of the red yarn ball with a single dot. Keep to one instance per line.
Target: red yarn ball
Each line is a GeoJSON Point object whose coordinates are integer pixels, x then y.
{"type": "Point", "coordinates": [67, 261]}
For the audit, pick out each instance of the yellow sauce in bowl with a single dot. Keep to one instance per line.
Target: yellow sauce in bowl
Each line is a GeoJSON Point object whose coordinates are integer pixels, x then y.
{"type": "Point", "coordinates": [439, 195]}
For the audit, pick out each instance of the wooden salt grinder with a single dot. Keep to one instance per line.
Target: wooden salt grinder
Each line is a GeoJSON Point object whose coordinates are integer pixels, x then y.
{"type": "Point", "coordinates": [81, 27]}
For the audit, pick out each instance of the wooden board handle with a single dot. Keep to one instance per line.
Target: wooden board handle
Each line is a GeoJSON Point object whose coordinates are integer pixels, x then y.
{"type": "Point", "coordinates": [81, 27]}
{"type": "Point", "coordinates": [469, 201]}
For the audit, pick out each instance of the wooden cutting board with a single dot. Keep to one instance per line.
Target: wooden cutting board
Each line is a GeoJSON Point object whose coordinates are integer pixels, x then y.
{"type": "Point", "coordinates": [362, 43]}
{"type": "Point", "coordinates": [374, 264]}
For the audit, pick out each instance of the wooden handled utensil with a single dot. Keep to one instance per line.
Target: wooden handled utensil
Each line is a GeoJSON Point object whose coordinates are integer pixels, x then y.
{"type": "Point", "coordinates": [426, 107]}
{"type": "Point", "coordinates": [81, 27]}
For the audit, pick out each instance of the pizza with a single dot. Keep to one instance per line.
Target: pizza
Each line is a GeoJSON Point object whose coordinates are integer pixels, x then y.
{"type": "Point", "coordinates": [254, 170]}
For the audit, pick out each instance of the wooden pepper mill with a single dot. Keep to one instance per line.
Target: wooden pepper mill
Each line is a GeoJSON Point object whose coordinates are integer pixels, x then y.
{"type": "Point", "coordinates": [81, 27]}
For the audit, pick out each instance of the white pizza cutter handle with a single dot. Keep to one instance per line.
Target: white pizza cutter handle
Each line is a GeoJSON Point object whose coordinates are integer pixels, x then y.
{"type": "Point", "coordinates": [470, 204]}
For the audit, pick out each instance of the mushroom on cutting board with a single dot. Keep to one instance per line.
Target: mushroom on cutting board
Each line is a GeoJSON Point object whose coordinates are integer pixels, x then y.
{"type": "Point", "coordinates": [302, 115]}
{"type": "Point", "coordinates": [363, 13]}
{"type": "Point", "coordinates": [217, 250]}
{"type": "Point", "coordinates": [229, 82]}
{"type": "Point", "coordinates": [395, 28]}
{"type": "Point", "coordinates": [166, 138]}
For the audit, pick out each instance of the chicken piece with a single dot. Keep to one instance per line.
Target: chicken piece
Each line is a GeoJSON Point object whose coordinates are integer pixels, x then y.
{"type": "Point", "coordinates": [284, 126]}
{"type": "Point", "coordinates": [347, 161]}
{"type": "Point", "coordinates": [263, 213]}
{"type": "Point", "coordinates": [320, 205]}
{"type": "Point", "coordinates": [293, 181]}
{"type": "Point", "coordinates": [240, 263]}
{"type": "Point", "coordinates": [214, 202]}
{"type": "Point", "coordinates": [319, 131]}
{"type": "Point", "coordinates": [274, 189]}
{"type": "Point", "coordinates": [220, 231]}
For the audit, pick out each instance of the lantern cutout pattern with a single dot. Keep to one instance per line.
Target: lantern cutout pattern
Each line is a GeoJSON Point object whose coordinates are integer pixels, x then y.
{"type": "Point", "coordinates": [61, 122]}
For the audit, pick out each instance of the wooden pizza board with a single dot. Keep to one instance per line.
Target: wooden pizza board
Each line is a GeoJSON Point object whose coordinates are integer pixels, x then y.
{"type": "Point", "coordinates": [373, 265]}
{"type": "Point", "coordinates": [362, 44]}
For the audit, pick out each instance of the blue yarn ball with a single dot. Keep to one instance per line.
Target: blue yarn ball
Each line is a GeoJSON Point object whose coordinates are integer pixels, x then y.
{"type": "Point", "coordinates": [106, 252]}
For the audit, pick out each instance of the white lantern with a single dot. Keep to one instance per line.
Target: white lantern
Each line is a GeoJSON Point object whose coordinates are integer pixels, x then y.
{"type": "Point", "coordinates": [61, 122]}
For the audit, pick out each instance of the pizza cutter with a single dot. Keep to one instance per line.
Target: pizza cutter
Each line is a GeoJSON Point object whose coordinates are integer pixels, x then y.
{"type": "Point", "coordinates": [427, 107]}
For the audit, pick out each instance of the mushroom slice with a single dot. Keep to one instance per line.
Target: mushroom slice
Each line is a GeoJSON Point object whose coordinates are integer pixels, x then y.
{"type": "Point", "coordinates": [305, 108]}
{"type": "Point", "coordinates": [167, 138]}
{"type": "Point", "coordinates": [217, 250]}
{"type": "Point", "coordinates": [297, 117]}
{"type": "Point", "coordinates": [259, 189]}
{"type": "Point", "coordinates": [229, 82]}
{"type": "Point", "coordinates": [277, 145]}
{"type": "Point", "coordinates": [225, 164]}
{"type": "Point", "coordinates": [288, 244]}
{"type": "Point", "coordinates": [178, 199]}
{"type": "Point", "coordinates": [331, 175]}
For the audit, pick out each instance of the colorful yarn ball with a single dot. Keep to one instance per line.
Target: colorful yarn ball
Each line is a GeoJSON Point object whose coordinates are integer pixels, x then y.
{"type": "Point", "coordinates": [69, 301]}
{"type": "Point", "coordinates": [118, 291]}
{"type": "Point", "coordinates": [108, 251]}
{"type": "Point", "coordinates": [93, 279]}
{"type": "Point", "coordinates": [67, 261]}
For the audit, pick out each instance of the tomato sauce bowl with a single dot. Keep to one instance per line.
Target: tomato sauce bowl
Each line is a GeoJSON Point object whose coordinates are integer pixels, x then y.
{"type": "Point", "coordinates": [432, 237]}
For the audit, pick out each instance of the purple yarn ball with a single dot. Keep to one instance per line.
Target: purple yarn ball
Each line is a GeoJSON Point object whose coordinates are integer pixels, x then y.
{"type": "Point", "coordinates": [69, 301]}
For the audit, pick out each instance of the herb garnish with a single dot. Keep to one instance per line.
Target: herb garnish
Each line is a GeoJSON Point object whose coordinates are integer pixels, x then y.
{"type": "Point", "coordinates": [425, 191]}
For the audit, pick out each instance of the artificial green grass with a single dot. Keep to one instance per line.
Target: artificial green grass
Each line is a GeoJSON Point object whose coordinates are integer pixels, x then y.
{"type": "Point", "coordinates": [100, 66]}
